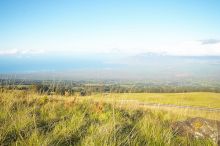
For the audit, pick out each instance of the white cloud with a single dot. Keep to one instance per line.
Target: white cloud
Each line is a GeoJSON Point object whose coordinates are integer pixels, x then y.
{"type": "Point", "coordinates": [190, 48]}
{"type": "Point", "coordinates": [19, 52]}
{"type": "Point", "coordinates": [209, 41]}
{"type": "Point", "coordinates": [180, 48]}
{"type": "Point", "coordinates": [187, 48]}
{"type": "Point", "coordinates": [9, 52]}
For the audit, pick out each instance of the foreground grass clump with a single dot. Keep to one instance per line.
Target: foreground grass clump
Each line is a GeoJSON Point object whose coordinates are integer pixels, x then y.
{"type": "Point", "coordinates": [29, 119]}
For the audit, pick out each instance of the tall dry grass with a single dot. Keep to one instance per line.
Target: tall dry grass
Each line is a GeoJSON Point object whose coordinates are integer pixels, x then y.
{"type": "Point", "coordinates": [30, 119]}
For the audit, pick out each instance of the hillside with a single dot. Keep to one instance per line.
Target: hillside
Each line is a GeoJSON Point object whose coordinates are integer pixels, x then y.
{"type": "Point", "coordinates": [28, 118]}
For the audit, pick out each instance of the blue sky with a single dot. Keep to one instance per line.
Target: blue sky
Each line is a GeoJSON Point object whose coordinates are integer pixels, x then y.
{"type": "Point", "coordinates": [125, 27]}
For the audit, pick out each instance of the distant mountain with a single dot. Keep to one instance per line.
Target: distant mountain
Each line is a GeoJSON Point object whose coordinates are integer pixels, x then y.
{"type": "Point", "coordinates": [109, 66]}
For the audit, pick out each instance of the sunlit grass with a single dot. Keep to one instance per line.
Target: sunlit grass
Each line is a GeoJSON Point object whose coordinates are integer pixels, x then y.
{"type": "Point", "coordinates": [206, 99]}
{"type": "Point", "coordinates": [31, 119]}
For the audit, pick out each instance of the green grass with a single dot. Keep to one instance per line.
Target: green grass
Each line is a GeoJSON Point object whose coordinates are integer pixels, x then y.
{"type": "Point", "coordinates": [205, 99]}
{"type": "Point", "coordinates": [31, 119]}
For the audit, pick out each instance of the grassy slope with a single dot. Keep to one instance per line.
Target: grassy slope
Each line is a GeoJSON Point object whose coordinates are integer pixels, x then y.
{"type": "Point", "coordinates": [30, 119]}
{"type": "Point", "coordinates": [194, 99]}
{"type": "Point", "coordinates": [205, 99]}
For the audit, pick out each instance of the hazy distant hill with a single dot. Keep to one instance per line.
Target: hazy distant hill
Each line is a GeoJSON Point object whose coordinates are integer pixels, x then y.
{"type": "Point", "coordinates": [113, 66]}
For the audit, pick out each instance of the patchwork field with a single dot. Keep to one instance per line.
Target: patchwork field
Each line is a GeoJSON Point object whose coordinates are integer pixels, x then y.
{"type": "Point", "coordinates": [100, 119]}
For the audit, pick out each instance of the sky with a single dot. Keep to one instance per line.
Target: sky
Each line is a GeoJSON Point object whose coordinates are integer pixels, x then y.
{"type": "Point", "coordinates": [42, 28]}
